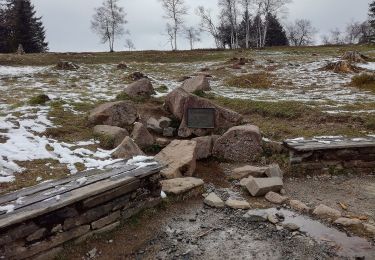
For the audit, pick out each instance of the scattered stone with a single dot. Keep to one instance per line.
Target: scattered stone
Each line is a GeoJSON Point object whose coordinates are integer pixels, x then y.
{"type": "Point", "coordinates": [163, 142]}
{"type": "Point", "coordinates": [178, 101]}
{"type": "Point", "coordinates": [66, 65]}
{"type": "Point", "coordinates": [180, 158]}
{"type": "Point", "coordinates": [256, 216]}
{"type": "Point", "coordinates": [142, 136]}
{"type": "Point", "coordinates": [127, 149]}
{"type": "Point", "coordinates": [112, 134]}
{"type": "Point", "coordinates": [247, 171]}
{"type": "Point", "coordinates": [204, 146]}
{"type": "Point", "coordinates": [180, 185]}
{"type": "Point", "coordinates": [299, 206]}
{"type": "Point", "coordinates": [122, 66]}
{"type": "Point", "coordinates": [272, 219]}
{"type": "Point", "coordinates": [347, 222]}
{"type": "Point", "coordinates": [142, 88]}
{"type": "Point", "coordinates": [121, 114]}
{"type": "Point", "coordinates": [157, 126]}
{"type": "Point", "coordinates": [275, 198]}
{"type": "Point", "coordinates": [237, 204]}
{"type": "Point", "coordinates": [214, 201]}
{"type": "Point", "coordinates": [198, 83]}
{"type": "Point", "coordinates": [92, 253]}
{"type": "Point", "coordinates": [274, 171]}
{"type": "Point", "coordinates": [324, 211]}
{"type": "Point", "coordinates": [261, 186]}
{"type": "Point", "coordinates": [245, 181]}
{"type": "Point", "coordinates": [137, 76]}
{"type": "Point", "coordinates": [239, 144]}
{"type": "Point", "coordinates": [169, 132]}
{"type": "Point", "coordinates": [291, 226]}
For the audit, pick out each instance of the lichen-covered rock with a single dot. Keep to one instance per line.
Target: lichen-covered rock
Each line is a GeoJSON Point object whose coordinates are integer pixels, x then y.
{"type": "Point", "coordinates": [239, 144]}
{"type": "Point", "coordinates": [127, 149]}
{"type": "Point", "coordinates": [198, 83]}
{"type": "Point", "coordinates": [140, 89]}
{"type": "Point", "coordinates": [142, 136]}
{"type": "Point", "coordinates": [324, 211]}
{"type": "Point", "coordinates": [204, 146]}
{"type": "Point", "coordinates": [120, 113]}
{"type": "Point", "coordinates": [179, 101]}
{"type": "Point", "coordinates": [179, 157]}
{"type": "Point", "coordinates": [111, 135]}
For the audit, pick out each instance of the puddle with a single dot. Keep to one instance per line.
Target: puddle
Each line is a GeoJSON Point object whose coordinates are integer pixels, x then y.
{"type": "Point", "coordinates": [346, 246]}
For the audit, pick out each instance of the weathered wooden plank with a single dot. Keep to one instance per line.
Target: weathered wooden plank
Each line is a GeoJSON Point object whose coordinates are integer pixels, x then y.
{"type": "Point", "coordinates": [76, 195]}
{"type": "Point", "coordinates": [314, 146]}
{"type": "Point", "coordinates": [47, 185]}
{"type": "Point", "coordinates": [64, 189]}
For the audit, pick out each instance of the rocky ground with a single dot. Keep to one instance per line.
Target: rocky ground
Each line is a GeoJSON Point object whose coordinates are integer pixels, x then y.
{"type": "Point", "coordinates": [190, 229]}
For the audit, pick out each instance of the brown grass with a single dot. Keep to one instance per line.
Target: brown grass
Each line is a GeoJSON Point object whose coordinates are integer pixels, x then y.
{"type": "Point", "coordinates": [365, 81]}
{"type": "Point", "coordinates": [254, 80]}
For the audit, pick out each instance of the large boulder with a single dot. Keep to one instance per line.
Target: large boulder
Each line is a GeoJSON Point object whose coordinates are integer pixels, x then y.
{"type": "Point", "coordinates": [121, 114]}
{"type": "Point", "coordinates": [140, 89]}
{"type": "Point", "coordinates": [198, 83]}
{"type": "Point", "coordinates": [179, 101]}
{"type": "Point", "coordinates": [204, 146]}
{"type": "Point", "coordinates": [142, 136]}
{"type": "Point", "coordinates": [111, 135]}
{"type": "Point", "coordinates": [239, 144]}
{"type": "Point", "coordinates": [127, 149]}
{"type": "Point", "coordinates": [179, 158]}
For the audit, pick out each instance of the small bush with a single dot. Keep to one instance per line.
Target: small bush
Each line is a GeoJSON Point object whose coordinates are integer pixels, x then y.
{"type": "Point", "coordinates": [39, 100]}
{"type": "Point", "coordinates": [162, 89]}
{"type": "Point", "coordinates": [254, 80]}
{"type": "Point", "coordinates": [364, 81]}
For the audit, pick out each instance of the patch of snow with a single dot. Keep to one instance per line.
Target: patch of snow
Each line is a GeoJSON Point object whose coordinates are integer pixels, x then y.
{"type": "Point", "coordinates": [39, 179]}
{"type": "Point", "coordinates": [368, 66]}
{"type": "Point", "coordinates": [82, 181]}
{"type": "Point", "coordinates": [12, 71]}
{"type": "Point", "coordinates": [20, 201]}
{"type": "Point", "coordinates": [142, 161]}
{"type": "Point", "coordinates": [163, 195]}
{"type": "Point", "coordinates": [7, 208]}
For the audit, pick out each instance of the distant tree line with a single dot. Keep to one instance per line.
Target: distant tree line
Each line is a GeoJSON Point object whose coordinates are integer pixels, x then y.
{"type": "Point", "coordinates": [19, 25]}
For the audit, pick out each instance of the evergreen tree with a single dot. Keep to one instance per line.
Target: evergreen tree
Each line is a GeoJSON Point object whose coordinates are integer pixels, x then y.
{"type": "Point", "coordinates": [276, 35]}
{"type": "Point", "coordinates": [25, 28]}
{"type": "Point", "coordinates": [372, 14]}
{"type": "Point", "coordinates": [4, 32]}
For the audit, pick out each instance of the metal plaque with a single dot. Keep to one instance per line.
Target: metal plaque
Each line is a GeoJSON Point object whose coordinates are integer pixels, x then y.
{"type": "Point", "coordinates": [201, 118]}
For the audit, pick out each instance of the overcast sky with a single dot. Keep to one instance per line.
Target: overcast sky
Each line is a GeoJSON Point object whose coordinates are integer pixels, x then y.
{"type": "Point", "coordinates": [68, 21]}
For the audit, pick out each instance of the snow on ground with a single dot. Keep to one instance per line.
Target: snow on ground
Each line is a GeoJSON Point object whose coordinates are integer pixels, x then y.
{"type": "Point", "coordinates": [22, 126]}
{"type": "Point", "coordinates": [368, 66]}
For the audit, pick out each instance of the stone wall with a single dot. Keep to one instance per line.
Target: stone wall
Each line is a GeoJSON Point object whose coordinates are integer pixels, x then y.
{"type": "Point", "coordinates": [356, 160]}
{"type": "Point", "coordinates": [43, 237]}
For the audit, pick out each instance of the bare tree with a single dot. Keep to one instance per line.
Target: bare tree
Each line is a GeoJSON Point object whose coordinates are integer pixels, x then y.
{"type": "Point", "coordinates": [336, 37]}
{"type": "Point", "coordinates": [207, 24]}
{"type": "Point", "coordinates": [266, 7]}
{"type": "Point", "coordinates": [108, 22]}
{"type": "Point", "coordinates": [353, 32]}
{"type": "Point", "coordinates": [193, 35]}
{"type": "Point", "coordinates": [175, 10]}
{"type": "Point", "coordinates": [129, 44]}
{"type": "Point", "coordinates": [230, 12]}
{"type": "Point", "coordinates": [170, 35]}
{"type": "Point", "coordinates": [246, 4]}
{"type": "Point", "coordinates": [301, 32]}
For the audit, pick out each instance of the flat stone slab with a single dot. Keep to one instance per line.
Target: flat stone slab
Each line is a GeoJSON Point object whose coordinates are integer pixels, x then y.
{"type": "Point", "coordinates": [214, 201]}
{"type": "Point", "coordinates": [261, 186]}
{"type": "Point", "coordinates": [180, 185]}
{"type": "Point", "coordinates": [329, 142]}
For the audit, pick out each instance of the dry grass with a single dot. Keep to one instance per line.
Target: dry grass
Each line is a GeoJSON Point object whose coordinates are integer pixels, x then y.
{"type": "Point", "coordinates": [254, 80]}
{"type": "Point", "coordinates": [364, 81]}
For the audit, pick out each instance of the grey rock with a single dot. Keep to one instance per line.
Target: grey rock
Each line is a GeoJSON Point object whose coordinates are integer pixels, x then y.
{"type": "Point", "coordinates": [141, 88]}
{"type": "Point", "coordinates": [261, 186]}
{"type": "Point", "coordinates": [291, 226]}
{"type": "Point", "coordinates": [114, 133]}
{"type": "Point", "coordinates": [256, 216]}
{"type": "Point", "coordinates": [248, 170]}
{"type": "Point", "coordinates": [169, 132]}
{"type": "Point", "coordinates": [127, 149]}
{"type": "Point", "coordinates": [198, 83]}
{"type": "Point", "coordinates": [142, 136]}
{"type": "Point", "coordinates": [121, 114]}
{"type": "Point", "coordinates": [274, 171]}
{"type": "Point", "coordinates": [324, 211]}
{"type": "Point", "coordinates": [180, 185]}
{"type": "Point", "coordinates": [214, 201]}
{"type": "Point", "coordinates": [275, 198]}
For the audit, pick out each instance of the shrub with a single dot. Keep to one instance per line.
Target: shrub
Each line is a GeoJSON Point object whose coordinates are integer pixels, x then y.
{"type": "Point", "coordinates": [254, 80]}
{"type": "Point", "coordinates": [39, 100]}
{"type": "Point", "coordinates": [364, 81]}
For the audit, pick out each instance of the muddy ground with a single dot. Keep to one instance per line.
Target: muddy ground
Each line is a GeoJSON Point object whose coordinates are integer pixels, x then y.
{"type": "Point", "coordinates": [190, 230]}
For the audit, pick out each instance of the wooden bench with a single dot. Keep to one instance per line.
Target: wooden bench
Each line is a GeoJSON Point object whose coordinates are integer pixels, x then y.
{"type": "Point", "coordinates": [75, 206]}
{"type": "Point", "coordinates": [332, 154]}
